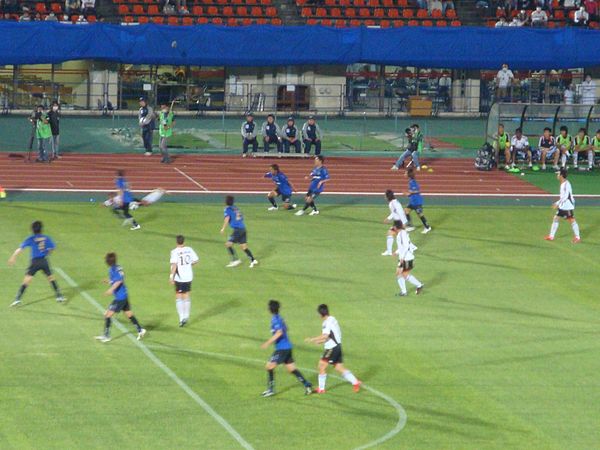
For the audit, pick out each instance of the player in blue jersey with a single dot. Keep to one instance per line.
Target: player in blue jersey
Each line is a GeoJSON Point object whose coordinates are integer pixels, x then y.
{"type": "Point", "coordinates": [41, 246]}
{"type": "Point", "coordinates": [116, 280]}
{"type": "Point", "coordinates": [125, 198]}
{"type": "Point", "coordinates": [283, 188]}
{"type": "Point", "coordinates": [319, 176]}
{"type": "Point", "coordinates": [282, 353]}
{"type": "Point", "coordinates": [415, 202]}
{"type": "Point", "coordinates": [235, 219]}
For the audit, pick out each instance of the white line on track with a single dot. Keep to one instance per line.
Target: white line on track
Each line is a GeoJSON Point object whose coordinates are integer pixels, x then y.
{"type": "Point", "coordinates": [402, 417]}
{"type": "Point", "coordinates": [190, 178]}
{"type": "Point", "coordinates": [144, 348]}
{"type": "Point", "coordinates": [70, 184]}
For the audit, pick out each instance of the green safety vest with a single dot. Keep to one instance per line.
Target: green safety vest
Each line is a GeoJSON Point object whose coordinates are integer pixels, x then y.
{"type": "Point", "coordinates": [165, 119]}
{"type": "Point", "coordinates": [566, 141]}
{"type": "Point", "coordinates": [502, 140]}
{"type": "Point", "coordinates": [43, 130]}
{"type": "Point", "coordinates": [418, 139]}
{"type": "Point", "coordinates": [596, 144]}
{"type": "Point", "coordinates": [581, 143]}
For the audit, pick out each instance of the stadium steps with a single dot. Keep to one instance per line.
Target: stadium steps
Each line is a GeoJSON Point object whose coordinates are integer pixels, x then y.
{"type": "Point", "coordinates": [468, 13]}
{"type": "Point", "coordinates": [288, 12]}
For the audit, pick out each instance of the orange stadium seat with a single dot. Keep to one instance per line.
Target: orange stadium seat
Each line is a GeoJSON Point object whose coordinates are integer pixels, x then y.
{"type": "Point", "coordinates": [350, 12]}
{"type": "Point", "coordinates": [413, 23]}
{"type": "Point", "coordinates": [123, 10]}
{"type": "Point", "coordinates": [559, 14]}
{"type": "Point", "coordinates": [321, 12]}
{"type": "Point", "coordinates": [422, 14]}
{"type": "Point", "coordinates": [196, 10]}
{"type": "Point", "coordinates": [92, 18]}
{"type": "Point", "coordinates": [398, 23]}
{"type": "Point", "coordinates": [246, 21]}
{"type": "Point", "coordinates": [345, 3]}
{"type": "Point", "coordinates": [262, 21]}
{"type": "Point", "coordinates": [158, 20]}
{"type": "Point", "coordinates": [266, 2]}
{"type": "Point", "coordinates": [451, 14]}
{"type": "Point", "coordinates": [373, 3]}
{"type": "Point", "coordinates": [228, 11]}
{"type": "Point", "coordinates": [427, 23]}
{"type": "Point", "coordinates": [335, 12]}
{"type": "Point", "coordinates": [330, 2]}
{"type": "Point", "coordinates": [202, 20]}
{"type": "Point", "coordinates": [129, 19]}
{"type": "Point", "coordinates": [364, 12]}
{"type": "Point", "coordinates": [326, 22]}
{"type": "Point", "coordinates": [217, 21]}
{"type": "Point", "coordinates": [153, 10]}
{"type": "Point", "coordinates": [242, 11]}
{"type": "Point", "coordinates": [187, 20]}
{"type": "Point", "coordinates": [276, 21]}
{"type": "Point", "coordinates": [256, 11]}
{"type": "Point", "coordinates": [369, 22]}
{"type": "Point", "coordinates": [232, 22]}
{"type": "Point", "coordinates": [236, 2]}
{"type": "Point", "coordinates": [340, 23]}
{"type": "Point", "coordinates": [173, 20]}
{"type": "Point", "coordinates": [403, 3]}
{"type": "Point", "coordinates": [393, 13]}
{"type": "Point", "coordinates": [358, 2]}
{"type": "Point", "coordinates": [56, 8]}
{"type": "Point", "coordinates": [251, 2]}
{"type": "Point", "coordinates": [212, 11]}
{"type": "Point", "coordinates": [142, 20]}
{"type": "Point", "coordinates": [455, 23]}
{"type": "Point", "coordinates": [384, 24]}
{"type": "Point", "coordinates": [312, 22]}
{"type": "Point", "coordinates": [388, 3]}
{"type": "Point", "coordinates": [408, 13]}
{"type": "Point", "coordinates": [306, 12]}
{"type": "Point", "coordinates": [138, 10]}
{"type": "Point", "coordinates": [436, 14]}
{"type": "Point", "coordinates": [271, 11]}
{"type": "Point", "coordinates": [355, 23]}
{"type": "Point", "coordinates": [40, 7]}
{"type": "Point", "coordinates": [378, 12]}
{"type": "Point", "coordinates": [441, 23]}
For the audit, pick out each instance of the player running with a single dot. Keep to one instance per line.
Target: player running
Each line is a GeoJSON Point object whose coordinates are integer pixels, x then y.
{"type": "Point", "coordinates": [397, 217]}
{"type": "Point", "coordinates": [147, 200]}
{"type": "Point", "coordinates": [318, 176]}
{"type": "Point", "coordinates": [125, 199]}
{"type": "Point", "coordinates": [565, 207]}
{"type": "Point", "coordinates": [41, 246]}
{"type": "Point", "coordinates": [283, 188]}
{"type": "Point", "coordinates": [282, 353]}
{"type": "Point", "coordinates": [116, 280]}
{"type": "Point", "coordinates": [331, 338]}
{"type": "Point", "coordinates": [183, 258]}
{"type": "Point", "coordinates": [406, 259]}
{"type": "Point", "coordinates": [415, 202]}
{"type": "Point", "coordinates": [235, 219]}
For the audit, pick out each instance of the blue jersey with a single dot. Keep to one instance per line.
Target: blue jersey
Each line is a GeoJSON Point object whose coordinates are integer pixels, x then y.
{"type": "Point", "coordinates": [281, 180]}
{"type": "Point", "coordinates": [236, 218]}
{"type": "Point", "coordinates": [122, 185]}
{"type": "Point", "coordinates": [414, 199]}
{"type": "Point", "coordinates": [278, 324]}
{"type": "Point", "coordinates": [317, 175]}
{"type": "Point", "coordinates": [40, 245]}
{"type": "Point", "coordinates": [116, 274]}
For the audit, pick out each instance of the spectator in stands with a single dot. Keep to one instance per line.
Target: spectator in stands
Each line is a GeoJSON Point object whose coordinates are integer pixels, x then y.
{"type": "Point", "coordinates": [291, 137]}
{"type": "Point", "coordinates": [501, 23]}
{"type": "Point", "coordinates": [182, 6]}
{"type": "Point", "coordinates": [311, 135]}
{"type": "Point", "coordinates": [54, 120]}
{"type": "Point", "coordinates": [504, 79]}
{"type": "Point", "coordinates": [581, 17]}
{"type": "Point", "coordinates": [81, 19]}
{"type": "Point", "coordinates": [249, 132]}
{"type": "Point", "coordinates": [482, 6]}
{"type": "Point", "coordinates": [271, 134]}
{"type": "Point", "coordinates": [588, 91]}
{"type": "Point", "coordinates": [444, 85]}
{"type": "Point", "coordinates": [591, 6]}
{"type": "Point", "coordinates": [146, 123]}
{"type": "Point", "coordinates": [515, 23]}
{"type": "Point", "coordinates": [539, 18]}
{"type": "Point", "coordinates": [569, 95]}
{"type": "Point", "coordinates": [51, 17]}
{"type": "Point", "coordinates": [88, 6]}
{"type": "Point", "coordinates": [446, 5]}
{"type": "Point", "coordinates": [434, 5]}
{"type": "Point", "coordinates": [72, 6]}
{"type": "Point", "coordinates": [571, 3]}
{"type": "Point", "coordinates": [6, 16]}
{"type": "Point", "coordinates": [25, 17]}
{"type": "Point", "coordinates": [168, 7]}
{"type": "Point", "coordinates": [37, 17]}
{"type": "Point", "coordinates": [11, 7]}
{"type": "Point", "coordinates": [422, 4]}
{"type": "Point", "coordinates": [522, 17]}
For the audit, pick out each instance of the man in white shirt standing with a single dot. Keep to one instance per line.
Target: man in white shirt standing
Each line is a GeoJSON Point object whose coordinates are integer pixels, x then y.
{"type": "Point", "coordinates": [539, 18]}
{"type": "Point", "coordinates": [588, 91]}
{"type": "Point", "coordinates": [504, 79]}
{"type": "Point", "coordinates": [397, 218]}
{"type": "Point", "coordinates": [518, 144]}
{"type": "Point", "coordinates": [565, 207]}
{"type": "Point", "coordinates": [331, 338]}
{"type": "Point", "coordinates": [182, 274]}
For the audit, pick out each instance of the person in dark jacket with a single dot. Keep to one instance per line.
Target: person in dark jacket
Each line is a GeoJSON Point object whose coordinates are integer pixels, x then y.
{"type": "Point", "coordinates": [54, 119]}
{"type": "Point", "coordinates": [311, 135]}
{"type": "Point", "coordinates": [146, 122]}
{"type": "Point", "coordinates": [291, 137]}
{"type": "Point", "coordinates": [271, 134]}
{"type": "Point", "coordinates": [249, 132]}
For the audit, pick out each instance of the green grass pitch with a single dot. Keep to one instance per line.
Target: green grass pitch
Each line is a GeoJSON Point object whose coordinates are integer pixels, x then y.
{"type": "Point", "coordinates": [501, 351]}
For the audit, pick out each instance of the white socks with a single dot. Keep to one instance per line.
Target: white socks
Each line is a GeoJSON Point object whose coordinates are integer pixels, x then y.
{"type": "Point", "coordinates": [390, 243]}
{"type": "Point", "coordinates": [575, 228]}
{"type": "Point", "coordinates": [590, 159]}
{"type": "Point", "coordinates": [563, 159]}
{"type": "Point", "coordinates": [349, 377]}
{"type": "Point", "coordinates": [322, 380]}
{"type": "Point", "coordinates": [402, 284]}
{"type": "Point", "coordinates": [187, 305]}
{"type": "Point", "coordinates": [179, 304]}
{"type": "Point", "coordinates": [412, 280]}
{"type": "Point", "coordinates": [553, 228]}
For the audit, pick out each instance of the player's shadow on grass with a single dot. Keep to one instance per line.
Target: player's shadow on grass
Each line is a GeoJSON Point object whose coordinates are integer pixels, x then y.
{"type": "Point", "coordinates": [171, 349]}
{"type": "Point", "coordinates": [38, 209]}
{"type": "Point", "coordinates": [473, 262]}
{"type": "Point", "coordinates": [208, 332]}
{"type": "Point", "coordinates": [188, 239]}
{"type": "Point", "coordinates": [81, 316]}
{"type": "Point", "coordinates": [311, 276]}
{"type": "Point", "coordinates": [155, 324]}
{"type": "Point", "coordinates": [216, 310]}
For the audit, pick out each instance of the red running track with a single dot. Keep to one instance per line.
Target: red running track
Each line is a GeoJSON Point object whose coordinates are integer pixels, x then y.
{"type": "Point", "coordinates": [223, 173]}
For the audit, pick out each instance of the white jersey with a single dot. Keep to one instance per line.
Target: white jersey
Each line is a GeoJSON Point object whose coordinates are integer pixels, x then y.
{"type": "Point", "coordinates": [566, 202]}
{"type": "Point", "coordinates": [184, 257]}
{"type": "Point", "coordinates": [331, 328]}
{"type": "Point", "coordinates": [396, 212]}
{"type": "Point", "coordinates": [406, 248]}
{"type": "Point", "coordinates": [519, 144]}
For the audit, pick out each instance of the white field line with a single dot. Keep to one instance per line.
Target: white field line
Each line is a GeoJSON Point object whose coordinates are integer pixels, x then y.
{"type": "Point", "coordinates": [144, 348]}
{"type": "Point", "coordinates": [402, 417]}
{"type": "Point", "coordinates": [190, 178]}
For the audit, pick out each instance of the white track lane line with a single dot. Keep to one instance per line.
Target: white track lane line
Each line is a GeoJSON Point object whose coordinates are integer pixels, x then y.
{"type": "Point", "coordinates": [402, 417]}
{"type": "Point", "coordinates": [144, 348]}
{"type": "Point", "coordinates": [190, 178]}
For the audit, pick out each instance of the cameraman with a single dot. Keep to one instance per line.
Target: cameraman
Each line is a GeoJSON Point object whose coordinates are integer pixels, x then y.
{"type": "Point", "coordinates": [54, 119]}
{"type": "Point", "coordinates": [43, 133]}
{"type": "Point", "coordinates": [146, 121]}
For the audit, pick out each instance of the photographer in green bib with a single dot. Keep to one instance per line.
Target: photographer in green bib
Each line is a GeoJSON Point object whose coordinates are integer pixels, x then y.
{"type": "Point", "coordinates": [583, 145]}
{"type": "Point", "coordinates": [564, 142]}
{"type": "Point", "coordinates": [43, 133]}
{"type": "Point", "coordinates": [166, 120]}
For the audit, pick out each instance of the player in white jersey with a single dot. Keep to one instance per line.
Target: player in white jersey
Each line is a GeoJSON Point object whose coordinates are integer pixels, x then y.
{"type": "Point", "coordinates": [182, 273]}
{"type": "Point", "coordinates": [331, 338]}
{"type": "Point", "coordinates": [406, 258]}
{"type": "Point", "coordinates": [565, 207]}
{"type": "Point", "coordinates": [519, 144]}
{"type": "Point", "coordinates": [397, 218]}
{"type": "Point", "coordinates": [147, 200]}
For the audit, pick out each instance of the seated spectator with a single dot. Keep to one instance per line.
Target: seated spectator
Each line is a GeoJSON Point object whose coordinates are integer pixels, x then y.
{"type": "Point", "coordinates": [435, 5]}
{"type": "Point", "coordinates": [182, 6]}
{"type": "Point", "coordinates": [446, 5]}
{"type": "Point", "coordinates": [539, 18]}
{"type": "Point", "coordinates": [72, 6]}
{"type": "Point", "coordinates": [519, 146]}
{"type": "Point", "coordinates": [501, 144]}
{"type": "Point", "coordinates": [88, 6]}
{"type": "Point", "coordinates": [51, 17]}
{"type": "Point", "coordinates": [501, 23]}
{"type": "Point", "coordinates": [65, 19]}
{"type": "Point", "coordinates": [581, 17]}
{"type": "Point", "coordinates": [6, 16]}
{"type": "Point", "coordinates": [515, 23]}
{"type": "Point", "coordinates": [25, 17]}
{"type": "Point", "coordinates": [522, 17]}
{"type": "Point", "coordinates": [37, 17]}
{"type": "Point", "coordinates": [591, 6]}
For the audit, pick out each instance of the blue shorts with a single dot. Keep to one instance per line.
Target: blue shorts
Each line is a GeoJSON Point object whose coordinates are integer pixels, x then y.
{"type": "Point", "coordinates": [119, 305]}
{"type": "Point", "coordinates": [238, 236]}
{"type": "Point", "coordinates": [416, 208]}
{"type": "Point", "coordinates": [313, 194]}
{"type": "Point", "coordinates": [284, 197]}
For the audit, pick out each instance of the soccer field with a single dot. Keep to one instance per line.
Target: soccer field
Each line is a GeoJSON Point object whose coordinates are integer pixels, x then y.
{"type": "Point", "coordinates": [500, 351]}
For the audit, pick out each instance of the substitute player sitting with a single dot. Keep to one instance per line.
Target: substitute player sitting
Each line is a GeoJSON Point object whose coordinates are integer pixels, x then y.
{"type": "Point", "coordinates": [548, 149]}
{"type": "Point", "coordinates": [318, 176]}
{"type": "Point", "coordinates": [595, 145]}
{"type": "Point", "coordinates": [397, 217]}
{"type": "Point", "coordinates": [564, 142]}
{"type": "Point", "coordinates": [583, 144]}
{"type": "Point", "coordinates": [565, 207]}
{"type": "Point", "coordinates": [282, 353]}
{"type": "Point", "coordinates": [519, 145]}
{"type": "Point", "coordinates": [501, 143]}
{"type": "Point", "coordinates": [283, 188]}
{"type": "Point", "coordinates": [183, 258]}
{"type": "Point", "coordinates": [41, 246]}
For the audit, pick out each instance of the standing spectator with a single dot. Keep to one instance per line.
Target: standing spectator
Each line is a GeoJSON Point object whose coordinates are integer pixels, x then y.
{"type": "Point", "coordinates": [591, 6]}
{"type": "Point", "coordinates": [146, 122]}
{"type": "Point", "coordinates": [290, 136]}
{"type": "Point", "coordinates": [588, 91]}
{"type": "Point", "coordinates": [444, 85]}
{"type": "Point", "coordinates": [569, 95]}
{"type": "Point", "coordinates": [270, 132]}
{"type": "Point", "coordinates": [311, 134]}
{"type": "Point", "coordinates": [249, 133]}
{"type": "Point", "coordinates": [581, 17]}
{"type": "Point", "coordinates": [165, 131]}
{"type": "Point", "coordinates": [72, 6]}
{"type": "Point", "coordinates": [504, 78]}
{"type": "Point", "coordinates": [43, 134]}
{"type": "Point", "coordinates": [88, 6]}
{"type": "Point", "coordinates": [54, 119]}
{"type": "Point", "coordinates": [539, 18]}
{"type": "Point", "coordinates": [435, 5]}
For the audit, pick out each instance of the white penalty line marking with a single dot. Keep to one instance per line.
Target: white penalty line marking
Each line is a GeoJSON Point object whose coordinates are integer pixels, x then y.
{"type": "Point", "coordinates": [402, 416]}
{"type": "Point", "coordinates": [144, 348]}
{"type": "Point", "coordinates": [191, 179]}
{"type": "Point", "coordinates": [378, 194]}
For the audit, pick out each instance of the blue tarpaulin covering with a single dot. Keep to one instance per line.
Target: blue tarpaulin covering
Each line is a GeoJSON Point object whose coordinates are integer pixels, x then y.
{"type": "Point", "coordinates": [454, 47]}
